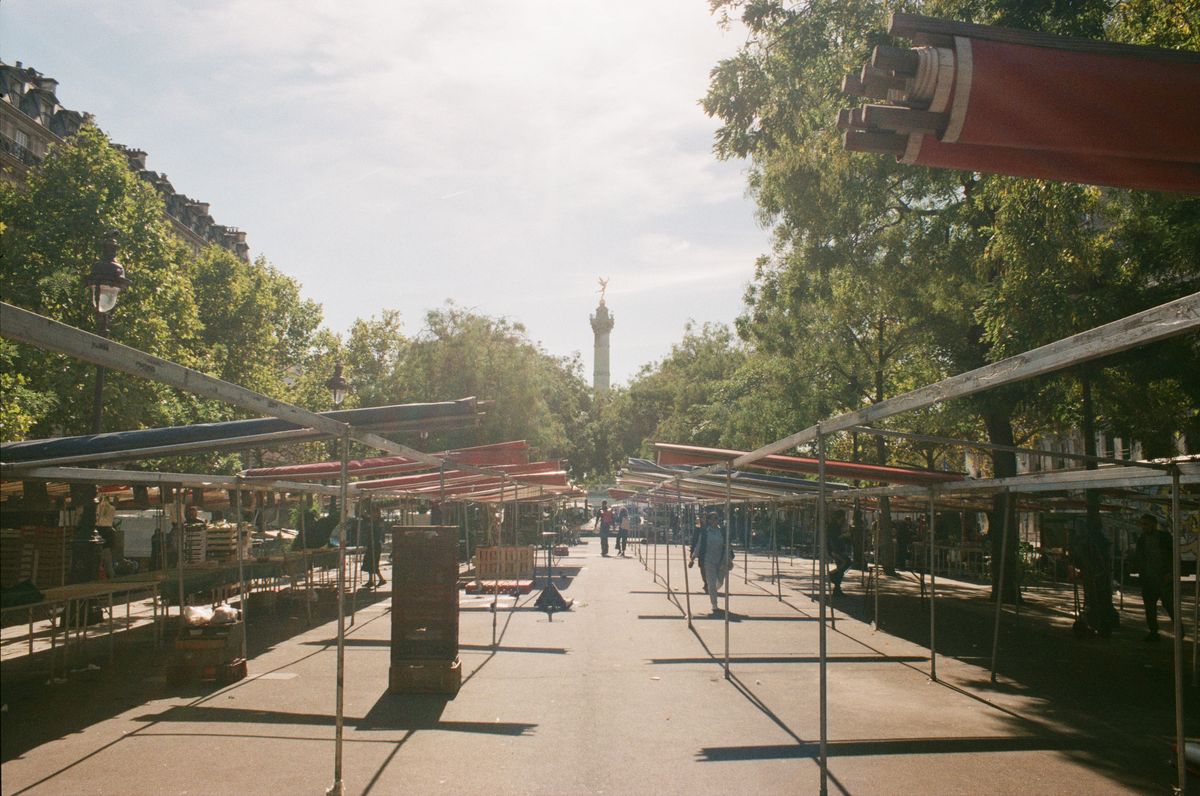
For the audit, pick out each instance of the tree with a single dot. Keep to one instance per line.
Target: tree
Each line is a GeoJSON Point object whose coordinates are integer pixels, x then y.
{"type": "Point", "coordinates": [969, 266]}
{"type": "Point", "coordinates": [55, 222]}
{"type": "Point", "coordinates": [681, 398]}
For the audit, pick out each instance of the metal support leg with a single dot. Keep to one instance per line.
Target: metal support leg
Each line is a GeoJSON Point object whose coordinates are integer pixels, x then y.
{"type": "Point", "coordinates": [1000, 581]}
{"type": "Point", "coordinates": [932, 596]}
{"type": "Point", "coordinates": [1177, 630]}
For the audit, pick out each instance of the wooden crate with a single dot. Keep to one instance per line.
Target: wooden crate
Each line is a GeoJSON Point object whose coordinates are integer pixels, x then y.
{"type": "Point", "coordinates": [424, 593]}
{"type": "Point", "coordinates": [425, 677]}
{"type": "Point", "coordinates": [506, 561]}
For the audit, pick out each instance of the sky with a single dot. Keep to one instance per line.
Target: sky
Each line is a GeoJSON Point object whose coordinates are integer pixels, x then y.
{"type": "Point", "coordinates": [388, 155]}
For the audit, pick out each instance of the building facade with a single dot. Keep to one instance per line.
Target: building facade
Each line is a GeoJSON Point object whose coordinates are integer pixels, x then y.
{"type": "Point", "coordinates": [32, 119]}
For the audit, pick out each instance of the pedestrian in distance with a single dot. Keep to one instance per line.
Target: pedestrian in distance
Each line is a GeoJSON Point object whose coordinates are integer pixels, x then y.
{"type": "Point", "coordinates": [709, 549]}
{"type": "Point", "coordinates": [374, 545]}
{"type": "Point", "coordinates": [623, 520]}
{"type": "Point", "coordinates": [1153, 555]}
{"type": "Point", "coordinates": [840, 552]}
{"type": "Point", "coordinates": [606, 524]}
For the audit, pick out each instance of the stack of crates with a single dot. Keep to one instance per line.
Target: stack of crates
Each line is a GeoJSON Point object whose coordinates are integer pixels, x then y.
{"type": "Point", "coordinates": [195, 542]}
{"type": "Point", "coordinates": [512, 562]}
{"type": "Point", "coordinates": [208, 652]}
{"type": "Point", "coordinates": [36, 553]}
{"type": "Point", "coordinates": [425, 610]}
{"type": "Point", "coordinates": [220, 542]}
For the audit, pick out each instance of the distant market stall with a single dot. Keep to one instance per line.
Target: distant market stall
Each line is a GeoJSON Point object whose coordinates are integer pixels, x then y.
{"type": "Point", "coordinates": [1175, 318]}
{"type": "Point", "coordinates": [29, 328]}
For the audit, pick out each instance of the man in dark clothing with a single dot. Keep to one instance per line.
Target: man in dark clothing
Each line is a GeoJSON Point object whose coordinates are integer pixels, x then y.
{"type": "Point", "coordinates": [1153, 556]}
{"type": "Point", "coordinates": [840, 552]}
{"type": "Point", "coordinates": [374, 544]}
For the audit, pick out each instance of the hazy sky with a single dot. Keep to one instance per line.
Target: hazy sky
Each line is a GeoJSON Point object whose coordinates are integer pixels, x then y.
{"type": "Point", "coordinates": [393, 155]}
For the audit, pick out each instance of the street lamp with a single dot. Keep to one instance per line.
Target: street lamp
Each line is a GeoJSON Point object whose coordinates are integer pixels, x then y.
{"type": "Point", "coordinates": [338, 386]}
{"type": "Point", "coordinates": [106, 281]}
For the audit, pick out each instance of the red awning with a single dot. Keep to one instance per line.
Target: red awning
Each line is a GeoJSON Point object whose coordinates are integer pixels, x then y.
{"type": "Point", "coordinates": [1029, 104]}
{"type": "Point", "coordinates": [515, 452]}
{"type": "Point", "coordinates": [669, 454]}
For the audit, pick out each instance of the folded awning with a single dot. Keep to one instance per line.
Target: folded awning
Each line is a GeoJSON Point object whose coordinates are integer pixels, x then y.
{"type": "Point", "coordinates": [649, 482]}
{"type": "Point", "coordinates": [669, 454]}
{"type": "Point", "coordinates": [1028, 104]}
{"type": "Point", "coordinates": [514, 452]}
{"type": "Point", "coordinates": [177, 440]}
{"type": "Point", "coordinates": [529, 481]}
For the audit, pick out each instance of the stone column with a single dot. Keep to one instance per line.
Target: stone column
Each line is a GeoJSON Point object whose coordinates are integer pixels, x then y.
{"type": "Point", "coordinates": [602, 324]}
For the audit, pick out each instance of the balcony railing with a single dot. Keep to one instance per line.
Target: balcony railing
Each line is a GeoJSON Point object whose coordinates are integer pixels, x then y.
{"type": "Point", "coordinates": [21, 153]}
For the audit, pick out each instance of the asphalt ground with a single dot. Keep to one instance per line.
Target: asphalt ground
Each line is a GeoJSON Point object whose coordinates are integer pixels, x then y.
{"type": "Point", "coordinates": [620, 696]}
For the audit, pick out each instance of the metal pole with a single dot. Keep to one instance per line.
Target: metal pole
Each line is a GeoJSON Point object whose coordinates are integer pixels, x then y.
{"type": "Point", "coordinates": [877, 568]}
{"type": "Point", "coordinates": [687, 587]}
{"type": "Point", "coordinates": [355, 561]}
{"type": "Point", "coordinates": [1000, 580]}
{"type": "Point", "coordinates": [746, 512]}
{"type": "Point", "coordinates": [657, 527]}
{"type": "Point", "coordinates": [304, 561]}
{"type": "Point", "coordinates": [496, 566]}
{"type": "Point", "coordinates": [932, 596]}
{"type": "Point", "coordinates": [179, 542]}
{"type": "Point", "coordinates": [792, 537]}
{"type": "Point", "coordinates": [516, 542]}
{"type": "Point", "coordinates": [337, 788]}
{"type": "Point", "coordinates": [98, 392]}
{"type": "Point", "coordinates": [466, 517]}
{"type": "Point", "coordinates": [1177, 629]}
{"type": "Point", "coordinates": [237, 535]}
{"type": "Point", "coordinates": [775, 553]}
{"type": "Point", "coordinates": [655, 556]}
{"type": "Point", "coordinates": [822, 641]}
{"type": "Point", "coordinates": [728, 534]}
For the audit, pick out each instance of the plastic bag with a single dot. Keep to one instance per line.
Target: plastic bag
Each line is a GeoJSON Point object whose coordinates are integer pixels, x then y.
{"type": "Point", "coordinates": [225, 614]}
{"type": "Point", "coordinates": [197, 615]}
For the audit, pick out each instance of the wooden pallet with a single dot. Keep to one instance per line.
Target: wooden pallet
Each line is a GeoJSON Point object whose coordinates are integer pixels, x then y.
{"type": "Point", "coordinates": [182, 673]}
{"type": "Point", "coordinates": [502, 586]}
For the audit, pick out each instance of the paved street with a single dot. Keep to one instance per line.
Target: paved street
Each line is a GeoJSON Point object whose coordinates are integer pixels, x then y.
{"type": "Point", "coordinates": [617, 696]}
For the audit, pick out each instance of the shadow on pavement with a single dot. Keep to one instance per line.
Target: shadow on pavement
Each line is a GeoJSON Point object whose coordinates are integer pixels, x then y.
{"type": "Point", "coordinates": [894, 746]}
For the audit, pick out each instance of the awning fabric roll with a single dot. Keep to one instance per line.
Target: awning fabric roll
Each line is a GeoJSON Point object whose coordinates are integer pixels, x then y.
{"type": "Point", "coordinates": [1032, 105]}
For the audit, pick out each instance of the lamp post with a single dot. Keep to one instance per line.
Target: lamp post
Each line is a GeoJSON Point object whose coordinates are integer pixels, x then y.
{"type": "Point", "coordinates": [337, 390]}
{"type": "Point", "coordinates": [338, 386]}
{"type": "Point", "coordinates": [106, 281]}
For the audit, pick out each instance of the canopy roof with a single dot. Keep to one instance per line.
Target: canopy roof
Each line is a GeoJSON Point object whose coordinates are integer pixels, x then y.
{"type": "Point", "coordinates": [680, 482]}
{"type": "Point", "coordinates": [515, 452]}
{"type": "Point", "coordinates": [176, 440]}
{"type": "Point", "coordinates": [534, 480]}
{"type": "Point", "coordinates": [669, 454]}
{"type": "Point", "coordinates": [1029, 104]}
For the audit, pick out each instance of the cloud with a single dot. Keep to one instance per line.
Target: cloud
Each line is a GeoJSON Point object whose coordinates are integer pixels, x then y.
{"type": "Point", "coordinates": [504, 154]}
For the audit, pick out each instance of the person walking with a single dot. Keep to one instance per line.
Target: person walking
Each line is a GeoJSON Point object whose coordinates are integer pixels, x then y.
{"type": "Point", "coordinates": [1153, 556]}
{"type": "Point", "coordinates": [606, 524]}
{"type": "Point", "coordinates": [715, 562]}
{"type": "Point", "coordinates": [623, 522]}
{"type": "Point", "coordinates": [374, 545]}
{"type": "Point", "coordinates": [840, 552]}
